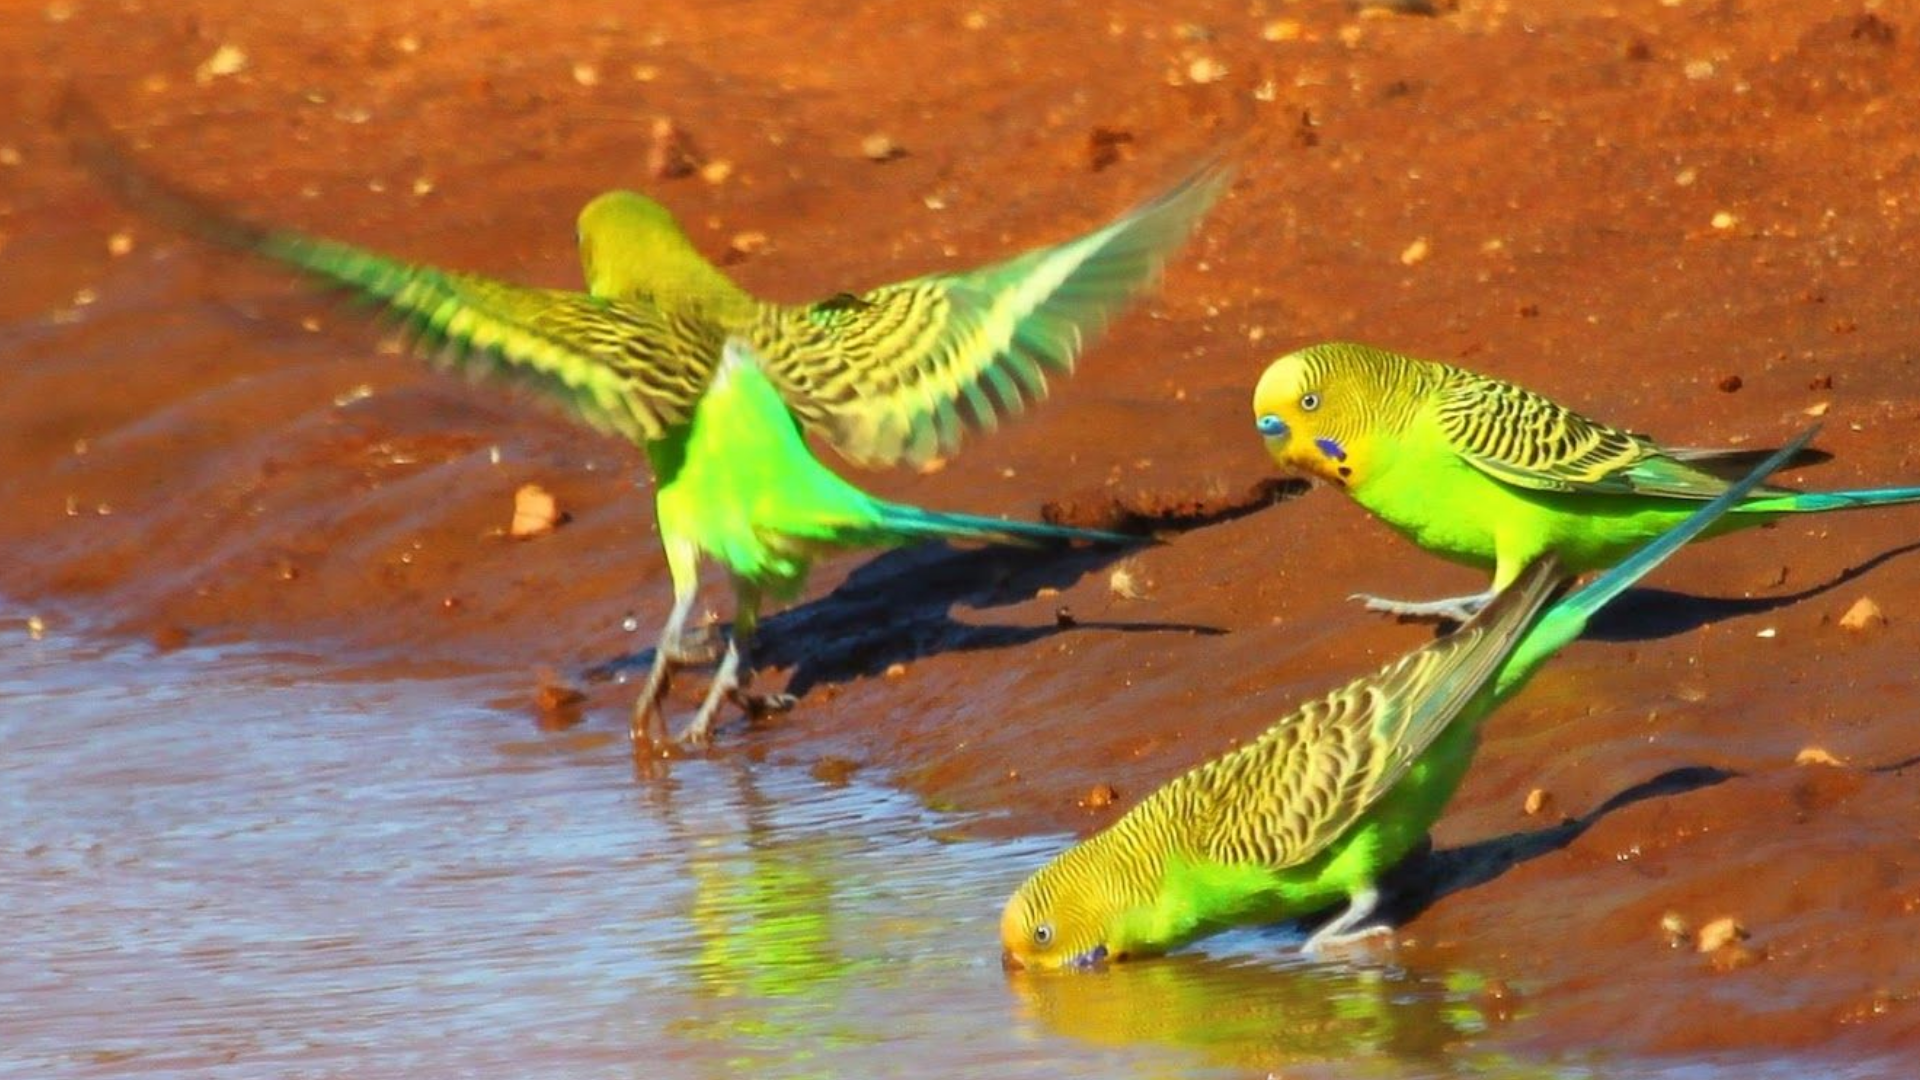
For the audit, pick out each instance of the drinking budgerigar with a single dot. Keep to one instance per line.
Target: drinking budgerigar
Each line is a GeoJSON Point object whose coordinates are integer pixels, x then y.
{"type": "Point", "coordinates": [1326, 801]}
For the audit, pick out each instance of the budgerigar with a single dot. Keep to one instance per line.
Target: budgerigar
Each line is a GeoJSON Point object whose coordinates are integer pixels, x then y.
{"type": "Point", "coordinates": [1487, 473]}
{"type": "Point", "coordinates": [1323, 803]}
{"type": "Point", "coordinates": [895, 374]}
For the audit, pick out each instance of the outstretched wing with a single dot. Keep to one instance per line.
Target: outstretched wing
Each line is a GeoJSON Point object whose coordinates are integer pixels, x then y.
{"type": "Point", "coordinates": [626, 368]}
{"type": "Point", "coordinates": [900, 373]}
{"type": "Point", "coordinates": [1282, 798]}
{"type": "Point", "coordinates": [1520, 437]}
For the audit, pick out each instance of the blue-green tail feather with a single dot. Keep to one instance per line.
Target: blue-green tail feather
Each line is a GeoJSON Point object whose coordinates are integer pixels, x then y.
{"type": "Point", "coordinates": [1567, 619]}
{"type": "Point", "coordinates": [1813, 502]}
{"type": "Point", "coordinates": [908, 523]}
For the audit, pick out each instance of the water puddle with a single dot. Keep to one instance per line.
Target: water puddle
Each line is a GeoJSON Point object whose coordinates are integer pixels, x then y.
{"type": "Point", "coordinates": [234, 864]}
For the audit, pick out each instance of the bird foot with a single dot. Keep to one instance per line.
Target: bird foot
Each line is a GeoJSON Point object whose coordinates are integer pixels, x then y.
{"type": "Point", "coordinates": [694, 648]}
{"type": "Point", "coordinates": [1366, 941]}
{"type": "Point", "coordinates": [1451, 609]}
{"type": "Point", "coordinates": [761, 705]}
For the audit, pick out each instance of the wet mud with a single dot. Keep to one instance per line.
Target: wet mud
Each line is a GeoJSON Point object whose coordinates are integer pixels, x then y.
{"type": "Point", "coordinates": [1697, 219]}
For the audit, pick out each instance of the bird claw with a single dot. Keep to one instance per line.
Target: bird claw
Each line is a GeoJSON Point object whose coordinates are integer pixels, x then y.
{"type": "Point", "coordinates": [698, 648]}
{"type": "Point", "coordinates": [759, 705]}
{"type": "Point", "coordinates": [1367, 940]}
{"type": "Point", "coordinates": [1457, 609]}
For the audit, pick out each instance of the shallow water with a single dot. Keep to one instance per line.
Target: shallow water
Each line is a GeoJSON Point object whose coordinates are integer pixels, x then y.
{"type": "Point", "coordinates": [242, 864]}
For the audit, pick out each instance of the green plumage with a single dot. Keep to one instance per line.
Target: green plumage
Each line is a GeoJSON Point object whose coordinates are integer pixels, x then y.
{"type": "Point", "coordinates": [1327, 800]}
{"type": "Point", "coordinates": [895, 374]}
{"type": "Point", "coordinates": [1490, 474]}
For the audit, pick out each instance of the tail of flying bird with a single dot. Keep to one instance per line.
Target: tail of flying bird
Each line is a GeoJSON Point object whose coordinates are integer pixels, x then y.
{"type": "Point", "coordinates": [909, 523]}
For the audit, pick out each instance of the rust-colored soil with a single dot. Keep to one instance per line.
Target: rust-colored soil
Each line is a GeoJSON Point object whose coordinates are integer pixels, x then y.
{"type": "Point", "coordinates": [1698, 218]}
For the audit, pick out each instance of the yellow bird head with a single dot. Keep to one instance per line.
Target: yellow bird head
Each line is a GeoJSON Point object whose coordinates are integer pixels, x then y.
{"type": "Point", "coordinates": [633, 248]}
{"type": "Point", "coordinates": [1319, 409]}
{"type": "Point", "coordinates": [1044, 928]}
{"type": "Point", "coordinates": [1083, 908]}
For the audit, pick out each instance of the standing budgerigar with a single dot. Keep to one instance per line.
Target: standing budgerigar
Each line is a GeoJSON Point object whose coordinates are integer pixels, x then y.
{"type": "Point", "coordinates": [1326, 801]}
{"type": "Point", "coordinates": [1487, 473]}
{"type": "Point", "coordinates": [898, 373]}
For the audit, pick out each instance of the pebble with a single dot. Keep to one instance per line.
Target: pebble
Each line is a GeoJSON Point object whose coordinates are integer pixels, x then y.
{"type": "Point", "coordinates": [1416, 252]}
{"type": "Point", "coordinates": [228, 59]}
{"type": "Point", "coordinates": [1724, 930]}
{"type": "Point", "coordinates": [670, 151]}
{"type": "Point", "coordinates": [1674, 925]}
{"type": "Point", "coordinates": [535, 512]}
{"type": "Point", "coordinates": [1815, 755]}
{"type": "Point", "coordinates": [1099, 795]}
{"type": "Point", "coordinates": [1538, 800]}
{"type": "Point", "coordinates": [748, 242]}
{"type": "Point", "coordinates": [1863, 614]}
{"type": "Point", "coordinates": [878, 147]}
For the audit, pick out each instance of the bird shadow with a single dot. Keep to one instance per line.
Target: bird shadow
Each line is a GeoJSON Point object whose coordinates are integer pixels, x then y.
{"type": "Point", "coordinates": [1423, 880]}
{"type": "Point", "coordinates": [898, 607]}
{"type": "Point", "coordinates": [1647, 614]}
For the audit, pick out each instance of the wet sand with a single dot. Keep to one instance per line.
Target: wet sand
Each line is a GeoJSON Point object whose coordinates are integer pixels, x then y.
{"type": "Point", "coordinates": [1695, 220]}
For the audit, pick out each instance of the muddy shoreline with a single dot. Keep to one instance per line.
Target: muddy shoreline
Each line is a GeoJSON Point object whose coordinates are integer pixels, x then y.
{"type": "Point", "coordinates": [1699, 220]}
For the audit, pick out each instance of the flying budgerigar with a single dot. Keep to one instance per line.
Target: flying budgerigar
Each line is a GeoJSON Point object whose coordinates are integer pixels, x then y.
{"type": "Point", "coordinates": [1490, 474]}
{"type": "Point", "coordinates": [898, 373]}
{"type": "Point", "coordinates": [1326, 801]}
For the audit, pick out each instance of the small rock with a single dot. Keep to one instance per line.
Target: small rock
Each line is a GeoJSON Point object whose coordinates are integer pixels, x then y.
{"type": "Point", "coordinates": [716, 172]}
{"type": "Point", "coordinates": [1730, 384]}
{"type": "Point", "coordinates": [1282, 30]}
{"type": "Point", "coordinates": [1815, 755]}
{"type": "Point", "coordinates": [878, 147]}
{"type": "Point", "coordinates": [1123, 584]}
{"type": "Point", "coordinates": [748, 242]}
{"type": "Point", "coordinates": [1734, 957]}
{"type": "Point", "coordinates": [1205, 69]}
{"type": "Point", "coordinates": [1416, 252]}
{"type": "Point", "coordinates": [1766, 632]}
{"type": "Point", "coordinates": [1675, 927]}
{"type": "Point", "coordinates": [585, 73]}
{"type": "Point", "coordinates": [557, 706]}
{"type": "Point", "coordinates": [1107, 146]}
{"type": "Point", "coordinates": [895, 670]}
{"type": "Point", "coordinates": [1063, 618]}
{"type": "Point", "coordinates": [10, 156]}
{"type": "Point", "coordinates": [1818, 408]}
{"type": "Point", "coordinates": [228, 59]}
{"type": "Point", "coordinates": [535, 512]}
{"type": "Point", "coordinates": [1820, 382]}
{"type": "Point", "coordinates": [120, 243]}
{"type": "Point", "coordinates": [1538, 800]}
{"type": "Point", "coordinates": [1723, 220]}
{"type": "Point", "coordinates": [1097, 796]}
{"type": "Point", "coordinates": [1045, 591]}
{"type": "Point", "coordinates": [670, 151]}
{"type": "Point", "coordinates": [1862, 614]}
{"type": "Point", "coordinates": [1724, 930]}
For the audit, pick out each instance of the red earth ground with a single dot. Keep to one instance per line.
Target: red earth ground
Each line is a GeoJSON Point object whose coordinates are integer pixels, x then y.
{"type": "Point", "coordinates": [1695, 217]}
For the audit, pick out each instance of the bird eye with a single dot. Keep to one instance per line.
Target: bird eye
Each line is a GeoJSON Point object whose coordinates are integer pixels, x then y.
{"type": "Point", "coordinates": [1043, 934]}
{"type": "Point", "coordinates": [1309, 402]}
{"type": "Point", "coordinates": [1270, 424]}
